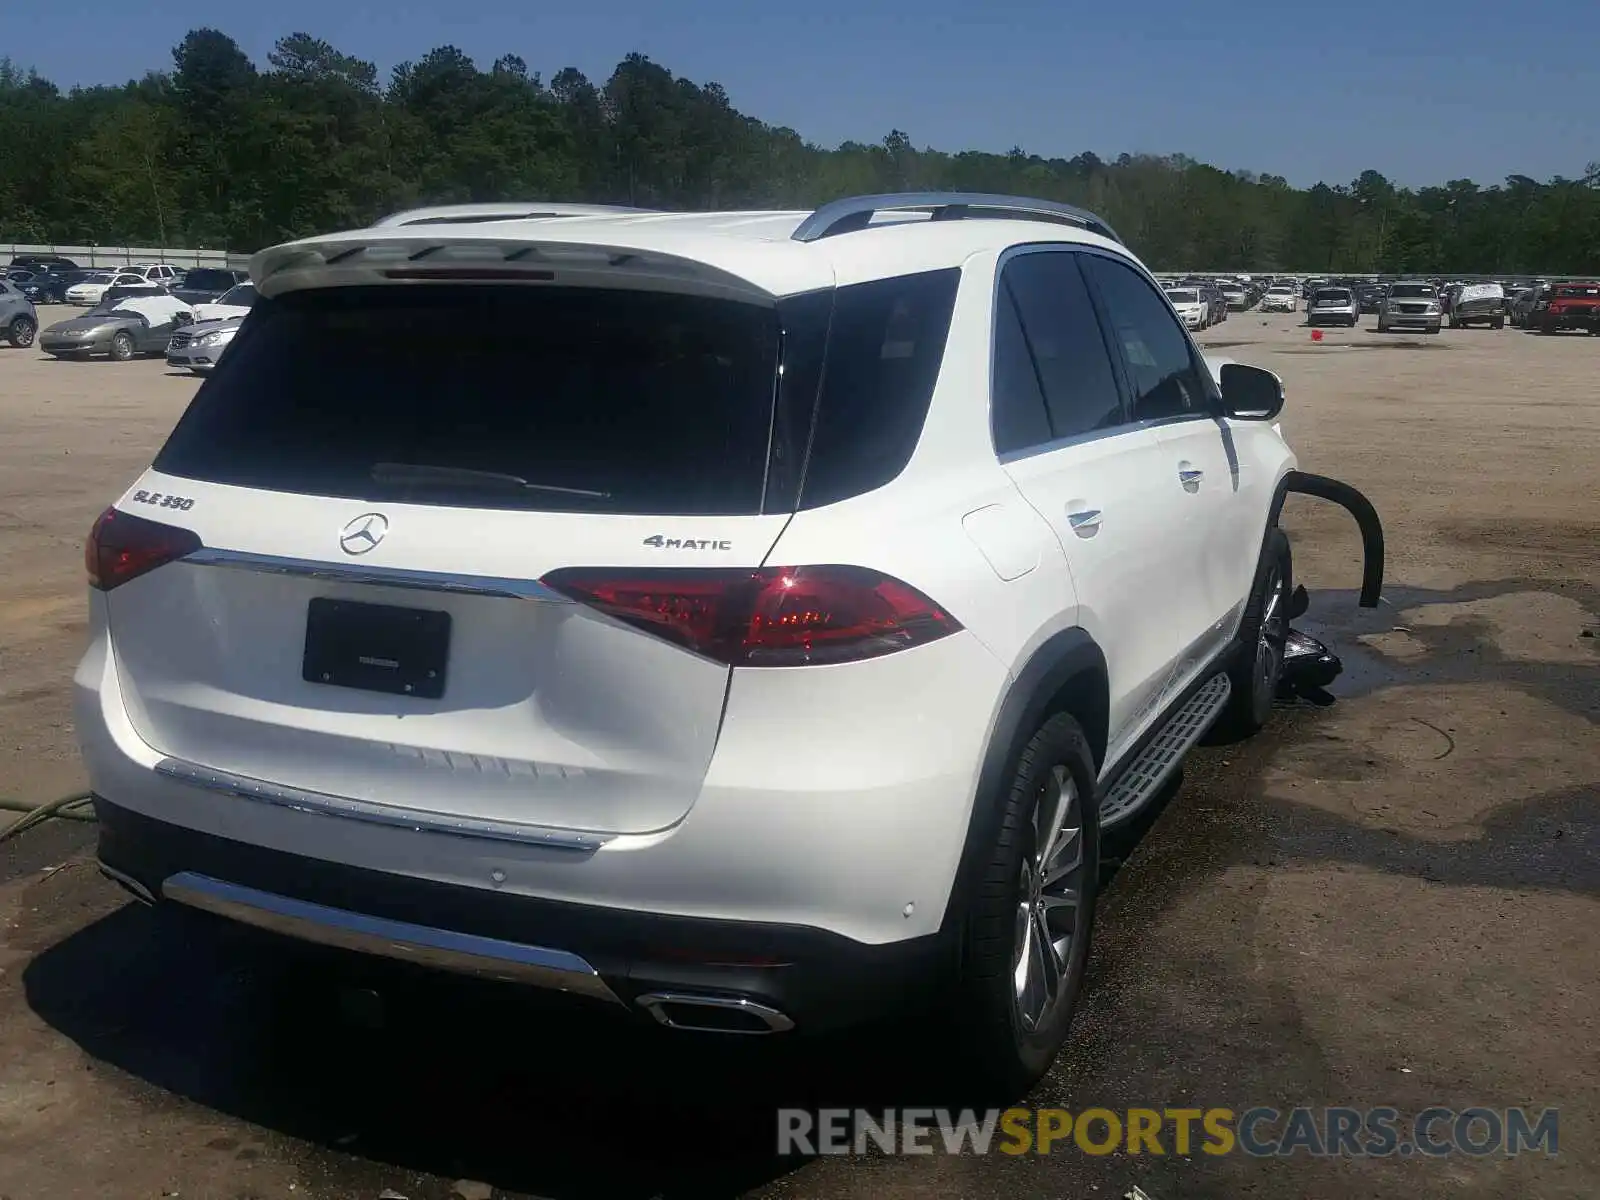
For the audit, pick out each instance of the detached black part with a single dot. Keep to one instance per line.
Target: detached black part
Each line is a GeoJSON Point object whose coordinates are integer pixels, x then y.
{"type": "Point", "coordinates": [1359, 507]}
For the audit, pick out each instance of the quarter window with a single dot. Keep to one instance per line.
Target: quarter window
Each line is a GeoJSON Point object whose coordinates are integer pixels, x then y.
{"type": "Point", "coordinates": [1163, 374]}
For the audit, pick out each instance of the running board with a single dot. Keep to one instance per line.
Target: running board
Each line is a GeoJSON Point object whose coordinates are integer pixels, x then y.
{"type": "Point", "coordinates": [1162, 754]}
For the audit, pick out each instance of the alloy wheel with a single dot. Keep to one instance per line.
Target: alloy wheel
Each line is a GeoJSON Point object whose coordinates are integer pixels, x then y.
{"type": "Point", "coordinates": [1050, 901]}
{"type": "Point", "coordinates": [1274, 634]}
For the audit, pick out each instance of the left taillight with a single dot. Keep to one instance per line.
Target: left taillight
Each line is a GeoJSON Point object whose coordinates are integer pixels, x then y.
{"type": "Point", "coordinates": [765, 617]}
{"type": "Point", "coordinates": [122, 546]}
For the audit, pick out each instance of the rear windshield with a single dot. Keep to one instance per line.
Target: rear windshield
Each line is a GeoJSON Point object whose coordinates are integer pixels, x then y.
{"type": "Point", "coordinates": [1184, 296]}
{"type": "Point", "coordinates": [1333, 296]}
{"type": "Point", "coordinates": [1411, 291]}
{"type": "Point", "coordinates": [1575, 291]}
{"type": "Point", "coordinates": [570, 399]}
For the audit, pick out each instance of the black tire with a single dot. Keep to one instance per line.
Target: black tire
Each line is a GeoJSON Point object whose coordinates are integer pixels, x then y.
{"type": "Point", "coordinates": [121, 346]}
{"type": "Point", "coordinates": [1001, 1054]}
{"type": "Point", "coordinates": [21, 331]}
{"type": "Point", "coordinates": [1258, 657]}
{"type": "Point", "coordinates": [1497, 323]}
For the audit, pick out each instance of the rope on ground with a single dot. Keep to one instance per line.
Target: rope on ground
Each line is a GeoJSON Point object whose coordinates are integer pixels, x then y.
{"type": "Point", "coordinates": [75, 807]}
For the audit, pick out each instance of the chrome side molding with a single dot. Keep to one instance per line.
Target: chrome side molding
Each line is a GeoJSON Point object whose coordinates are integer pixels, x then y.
{"type": "Point", "coordinates": [243, 787]}
{"type": "Point", "coordinates": [447, 950]}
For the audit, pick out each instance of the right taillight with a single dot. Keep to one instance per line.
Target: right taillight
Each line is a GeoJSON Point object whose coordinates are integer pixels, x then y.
{"type": "Point", "coordinates": [122, 546]}
{"type": "Point", "coordinates": [766, 617]}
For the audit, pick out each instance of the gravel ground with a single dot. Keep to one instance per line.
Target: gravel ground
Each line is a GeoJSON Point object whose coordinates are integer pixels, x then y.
{"type": "Point", "coordinates": [1393, 900]}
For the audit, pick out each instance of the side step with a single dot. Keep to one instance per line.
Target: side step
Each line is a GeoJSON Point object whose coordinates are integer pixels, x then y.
{"type": "Point", "coordinates": [1162, 754]}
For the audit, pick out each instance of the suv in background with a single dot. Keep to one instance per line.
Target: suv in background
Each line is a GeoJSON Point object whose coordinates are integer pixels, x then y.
{"type": "Point", "coordinates": [1573, 304]}
{"type": "Point", "coordinates": [1411, 304]}
{"type": "Point", "coordinates": [19, 321]}
{"type": "Point", "coordinates": [1476, 304]}
{"type": "Point", "coordinates": [748, 620]}
{"type": "Point", "coordinates": [202, 285]}
{"type": "Point", "coordinates": [1333, 306]}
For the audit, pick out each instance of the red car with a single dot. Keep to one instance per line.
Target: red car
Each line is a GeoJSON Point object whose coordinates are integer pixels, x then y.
{"type": "Point", "coordinates": [1563, 306]}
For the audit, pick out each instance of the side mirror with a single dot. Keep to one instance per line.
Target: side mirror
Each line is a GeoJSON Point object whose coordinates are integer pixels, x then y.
{"type": "Point", "coordinates": [1250, 393]}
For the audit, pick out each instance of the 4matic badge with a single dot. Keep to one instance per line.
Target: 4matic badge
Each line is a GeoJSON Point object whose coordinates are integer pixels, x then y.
{"type": "Point", "coordinates": [661, 542]}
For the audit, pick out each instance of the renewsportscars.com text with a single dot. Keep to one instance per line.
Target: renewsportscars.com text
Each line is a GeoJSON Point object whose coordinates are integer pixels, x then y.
{"type": "Point", "coordinates": [1260, 1132]}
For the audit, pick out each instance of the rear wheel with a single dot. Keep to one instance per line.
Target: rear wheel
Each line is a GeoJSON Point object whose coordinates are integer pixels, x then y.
{"type": "Point", "coordinates": [1027, 927]}
{"type": "Point", "coordinates": [1498, 323]}
{"type": "Point", "coordinates": [21, 331]}
{"type": "Point", "coordinates": [122, 346]}
{"type": "Point", "coordinates": [1258, 660]}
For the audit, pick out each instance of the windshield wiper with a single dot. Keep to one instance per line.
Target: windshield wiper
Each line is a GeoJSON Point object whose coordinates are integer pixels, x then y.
{"type": "Point", "coordinates": [428, 475]}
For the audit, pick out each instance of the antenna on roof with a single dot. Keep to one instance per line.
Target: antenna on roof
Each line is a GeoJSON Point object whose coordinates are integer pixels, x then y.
{"type": "Point", "coordinates": [856, 212]}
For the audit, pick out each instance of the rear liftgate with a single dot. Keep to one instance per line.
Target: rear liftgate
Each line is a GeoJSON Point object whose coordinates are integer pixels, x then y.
{"type": "Point", "coordinates": [1309, 666]}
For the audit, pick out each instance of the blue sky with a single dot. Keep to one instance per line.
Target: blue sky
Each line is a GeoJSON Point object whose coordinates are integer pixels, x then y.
{"type": "Point", "coordinates": [1422, 90]}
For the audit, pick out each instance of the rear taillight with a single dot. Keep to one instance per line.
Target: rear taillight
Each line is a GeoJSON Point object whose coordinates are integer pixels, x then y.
{"type": "Point", "coordinates": [769, 617]}
{"type": "Point", "coordinates": [122, 546]}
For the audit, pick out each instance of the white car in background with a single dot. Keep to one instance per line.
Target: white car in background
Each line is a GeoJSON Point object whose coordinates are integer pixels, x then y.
{"type": "Point", "coordinates": [166, 274]}
{"type": "Point", "coordinates": [1191, 306]}
{"type": "Point", "coordinates": [1280, 298]}
{"type": "Point", "coordinates": [92, 288]}
{"type": "Point", "coordinates": [235, 302]}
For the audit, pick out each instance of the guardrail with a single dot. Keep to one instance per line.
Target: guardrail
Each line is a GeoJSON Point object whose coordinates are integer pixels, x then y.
{"type": "Point", "coordinates": [122, 256]}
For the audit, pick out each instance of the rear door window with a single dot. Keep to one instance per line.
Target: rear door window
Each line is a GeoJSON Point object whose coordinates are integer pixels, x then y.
{"type": "Point", "coordinates": [550, 399]}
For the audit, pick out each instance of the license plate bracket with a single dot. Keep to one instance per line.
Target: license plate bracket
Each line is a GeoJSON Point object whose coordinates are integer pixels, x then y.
{"type": "Point", "coordinates": [376, 647]}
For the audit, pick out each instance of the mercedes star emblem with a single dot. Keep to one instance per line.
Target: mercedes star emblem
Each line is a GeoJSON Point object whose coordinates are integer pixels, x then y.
{"type": "Point", "coordinates": [363, 533]}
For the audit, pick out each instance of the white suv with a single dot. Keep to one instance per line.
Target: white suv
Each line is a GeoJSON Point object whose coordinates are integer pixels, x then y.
{"type": "Point", "coordinates": [750, 619]}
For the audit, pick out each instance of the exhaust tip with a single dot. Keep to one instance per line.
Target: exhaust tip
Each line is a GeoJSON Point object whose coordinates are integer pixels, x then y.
{"type": "Point", "coordinates": [128, 884]}
{"type": "Point", "coordinates": [714, 1014]}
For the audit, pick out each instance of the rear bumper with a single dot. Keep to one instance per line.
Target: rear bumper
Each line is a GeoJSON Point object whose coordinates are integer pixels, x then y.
{"type": "Point", "coordinates": [1326, 317]}
{"type": "Point", "coordinates": [825, 840]}
{"type": "Point", "coordinates": [814, 980]}
{"type": "Point", "coordinates": [1563, 321]}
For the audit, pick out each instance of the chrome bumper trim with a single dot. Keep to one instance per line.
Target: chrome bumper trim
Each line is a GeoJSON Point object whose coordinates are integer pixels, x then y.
{"type": "Point", "coordinates": [394, 577]}
{"type": "Point", "coordinates": [444, 949]}
{"type": "Point", "coordinates": [323, 804]}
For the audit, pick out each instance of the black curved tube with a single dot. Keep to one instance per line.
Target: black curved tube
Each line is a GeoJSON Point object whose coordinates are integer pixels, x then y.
{"type": "Point", "coordinates": [1359, 507]}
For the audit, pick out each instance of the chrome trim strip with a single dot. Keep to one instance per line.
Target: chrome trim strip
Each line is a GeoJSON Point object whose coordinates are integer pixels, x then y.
{"type": "Point", "coordinates": [394, 577]}
{"type": "Point", "coordinates": [444, 949]}
{"type": "Point", "coordinates": [654, 1002]}
{"type": "Point", "coordinates": [323, 804]}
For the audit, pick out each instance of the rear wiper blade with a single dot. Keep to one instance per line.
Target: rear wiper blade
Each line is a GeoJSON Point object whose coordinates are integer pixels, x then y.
{"type": "Point", "coordinates": [425, 475]}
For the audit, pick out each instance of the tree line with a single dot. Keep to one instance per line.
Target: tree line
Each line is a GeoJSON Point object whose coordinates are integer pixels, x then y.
{"type": "Point", "coordinates": [221, 153]}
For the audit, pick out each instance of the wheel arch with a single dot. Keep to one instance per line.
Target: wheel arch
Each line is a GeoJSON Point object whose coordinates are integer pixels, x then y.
{"type": "Point", "coordinates": [1066, 673]}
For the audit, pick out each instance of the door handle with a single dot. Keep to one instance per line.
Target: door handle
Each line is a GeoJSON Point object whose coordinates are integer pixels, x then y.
{"type": "Point", "coordinates": [1086, 523]}
{"type": "Point", "coordinates": [1189, 476]}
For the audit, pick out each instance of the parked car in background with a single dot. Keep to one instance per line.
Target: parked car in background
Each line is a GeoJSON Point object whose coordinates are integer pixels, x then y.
{"type": "Point", "coordinates": [39, 262]}
{"type": "Point", "coordinates": [1477, 304]}
{"type": "Point", "coordinates": [1238, 299]}
{"type": "Point", "coordinates": [91, 290]}
{"type": "Point", "coordinates": [1191, 306]}
{"type": "Point", "coordinates": [120, 328]}
{"type": "Point", "coordinates": [1520, 305]}
{"type": "Point", "coordinates": [50, 287]}
{"type": "Point", "coordinates": [235, 302]}
{"type": "Point", "coordinates": [1370, 296]}
{"type": "Point", "coordinates": [19, 322]}
{"type": "Point", "coordinates": [1411, 304]}
{"type": "Point", "coordinates": [202, 285]}
{"type": "Point", "coordinates": [1333, 306]}
{"type": "Point", "coordinates": [166, 274]}
{"type": "Point", "coordinates": [197, 347]}
{"type": "Point", "coordinates": [1280, 297]}
{"type": "Point", "coordinates": [1574, 304]}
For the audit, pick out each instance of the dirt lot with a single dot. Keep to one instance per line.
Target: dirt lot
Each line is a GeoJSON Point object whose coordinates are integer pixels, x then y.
{"type": "Point", "coordinates": [1393, 900]}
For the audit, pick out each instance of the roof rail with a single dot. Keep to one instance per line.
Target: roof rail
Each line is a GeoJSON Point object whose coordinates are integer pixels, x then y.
{"type": "Point", "coordinates": [856, 212]}
{"type": "Point", "coordinates": [472, 214]}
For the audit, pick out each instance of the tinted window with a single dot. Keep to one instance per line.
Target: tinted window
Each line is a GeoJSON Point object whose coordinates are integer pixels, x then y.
{"type": "Point", "coordinates": [1017, 410]}
{"type": "Point", "coordinates": [885, 345]}
{"type": "Point", "coordinates": [634, 402]}
{"type": "Point", "coordinates": [1069, 350]}
{"type": "Point", "coordinates": [1411, 291]}
{"type": "Point", "coordinates": [242, 296]}
{"type": "Point", "coordinates": [1332, 296]}
{"type": "Point", "coordinates": [206, 277]}
{"type": "Point", "coordinates": [1162, 373]}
